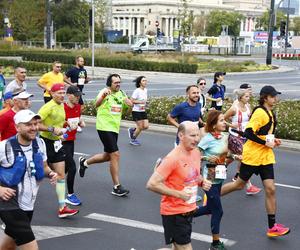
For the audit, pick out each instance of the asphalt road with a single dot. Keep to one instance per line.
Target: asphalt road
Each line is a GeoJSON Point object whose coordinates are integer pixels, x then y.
{"type": "Point", "coordinates": [107, 222]}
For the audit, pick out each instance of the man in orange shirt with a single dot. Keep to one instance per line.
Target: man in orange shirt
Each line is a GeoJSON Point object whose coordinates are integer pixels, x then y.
{"type": "Point", "coordinates": [177, 178]}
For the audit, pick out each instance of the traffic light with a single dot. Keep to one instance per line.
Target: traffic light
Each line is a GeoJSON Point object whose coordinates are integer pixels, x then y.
{"type": "Point", "coordinates": [282, 28]}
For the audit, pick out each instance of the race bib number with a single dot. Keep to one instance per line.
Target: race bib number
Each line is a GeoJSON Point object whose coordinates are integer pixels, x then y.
{"type": "Point", "coordinates": [1, 94]}
{"type": "Point", "coordinates": [220, 103]}
{"type": "Point", "coordinates": [57, 146]}
{"type": "Point", "coordinates": [193, 191]}
{"type": "Point", "coordinates": [116, 109]}
{"type": "Point", "coordinates": [73, 122]}
{"type": "Point", "coordinates": [142, 107]}
{"type": "Point", "coordinates": [220, 172]}
{"type": "Point", "coordinates": [81, 81]}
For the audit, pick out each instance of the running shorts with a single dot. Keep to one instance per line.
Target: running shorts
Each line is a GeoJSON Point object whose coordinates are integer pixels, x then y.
{"type": "Point", "coordinates": [138, 116]}
{"type": "Point", "coordinates": [265, 171]}
{"type": "Point", "coordinates": [177, 228]}
{"type": "Point", "coordinates": [52, 155]}
{"type": "Point", "coordinates": [17, 225]}
{"type": "Point", "coordinates": [109, 140]}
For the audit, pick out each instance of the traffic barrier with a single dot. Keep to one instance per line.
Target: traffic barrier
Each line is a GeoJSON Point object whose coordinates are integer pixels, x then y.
{"type": "Point", "coordinates": [285, 55]}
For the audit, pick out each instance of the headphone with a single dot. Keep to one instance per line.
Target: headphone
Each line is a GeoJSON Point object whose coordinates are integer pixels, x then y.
{"type": "Point", "coordinates": [109, 79]}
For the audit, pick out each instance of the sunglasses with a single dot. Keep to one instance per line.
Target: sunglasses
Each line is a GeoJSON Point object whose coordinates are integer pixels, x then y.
{"type": "Point", "coordinates": [202, 83]}
{"type": "Point", "coordinates": [58, 67]}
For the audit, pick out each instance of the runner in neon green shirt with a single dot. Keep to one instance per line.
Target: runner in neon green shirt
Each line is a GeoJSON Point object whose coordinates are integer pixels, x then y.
{"type": "Point", "coordinates": [110, 103]}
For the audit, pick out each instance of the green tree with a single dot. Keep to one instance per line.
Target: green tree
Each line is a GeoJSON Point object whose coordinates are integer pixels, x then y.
{"type": "Point", "coordinates": [185, 18]}
{"type": "Point", "coordinates": [216, 19]}
{"type": "Point", "coordinates": [199, 25]}
{"type": "Point", "coordinates": [296, 25]}
{"type": "Point", "coordinates": [263, 21]}
{"type": "Point", "coordinates": [28, 19]}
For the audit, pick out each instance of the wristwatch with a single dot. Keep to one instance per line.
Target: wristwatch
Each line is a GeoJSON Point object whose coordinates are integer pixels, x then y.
{"type": "Point", "coordinates": [50, 129]}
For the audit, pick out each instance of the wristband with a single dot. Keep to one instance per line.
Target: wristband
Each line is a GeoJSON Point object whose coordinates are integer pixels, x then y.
{"type": "Point", "coordinates": [50, 129]}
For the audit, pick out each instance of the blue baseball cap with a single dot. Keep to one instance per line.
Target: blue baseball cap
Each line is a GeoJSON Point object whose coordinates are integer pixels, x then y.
{"type": "Point", "coordinates": [8, 95]}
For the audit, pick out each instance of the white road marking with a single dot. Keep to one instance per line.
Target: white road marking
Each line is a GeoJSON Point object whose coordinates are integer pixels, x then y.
{"type": "Point", "coordinates": [83, 154]}
{"type": "Point", "coordinates": [48, 232]}
{"type": "Point", "coordinates": [287, 186]}
{"type": "Point", "coordinates": [150, 227]}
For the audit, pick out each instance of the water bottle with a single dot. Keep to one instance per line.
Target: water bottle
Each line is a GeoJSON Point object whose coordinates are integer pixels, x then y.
{"type": "Point", "coordinates": [65, 135]}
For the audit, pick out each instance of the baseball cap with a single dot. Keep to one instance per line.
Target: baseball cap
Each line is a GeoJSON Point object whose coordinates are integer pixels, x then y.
{"type": "Point", "coordinates": [22, 95]}
{"type": "Point", "coordinates": [74, 90]}
{"type": "Point", "coordinates": [217, 74]}
{"type": "Point", "coordinates": [8, 95]}
{"type": "Point", "coordinates": [269, 90]}
{"type": "Point", "coordinates": [24, 116]}
{"type": "Point", "coordinates": [245, 86]}
{"type": "Point", "coordinates": [57, 86]}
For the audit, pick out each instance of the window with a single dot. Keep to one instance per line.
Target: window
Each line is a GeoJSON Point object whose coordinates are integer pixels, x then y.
{"type": "Point", "coordinates": [149, 10]}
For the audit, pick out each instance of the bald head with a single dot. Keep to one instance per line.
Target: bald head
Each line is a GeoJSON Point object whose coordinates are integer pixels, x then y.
{"type": "Point", "coordinates": [186, 126]}
{"type": "Point", "coordinates": [188, 133]}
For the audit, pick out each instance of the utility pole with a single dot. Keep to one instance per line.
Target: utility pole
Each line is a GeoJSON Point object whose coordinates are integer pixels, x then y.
{"type": "Point", "coordinates": [271, 29]}
{"type": "Point", "coordinates": [93, 38]}
{"type": "Point", "coordinates": [287, 27]}
{"type": "Point", "coordinates": [48, 25]}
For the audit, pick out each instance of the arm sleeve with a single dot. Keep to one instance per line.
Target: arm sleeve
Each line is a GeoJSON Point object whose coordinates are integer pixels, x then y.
{"type": "Point", "coordinates": [249, 134]}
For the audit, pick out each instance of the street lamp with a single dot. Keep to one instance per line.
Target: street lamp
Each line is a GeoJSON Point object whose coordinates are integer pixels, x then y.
{"type": "Point", "coordinates": [93, 38]}
{"type": "Point", "coordinates": [271, 29]}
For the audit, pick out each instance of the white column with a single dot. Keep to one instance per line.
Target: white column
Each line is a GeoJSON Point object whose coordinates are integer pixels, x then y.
{"type": "Point", "coordinates": [124, 26]}
{"type": "Point", "coordinates": [138, 26]}
{"type": "Point", "coordinates": [129, 26]}
{"type": "Point", "coordinates": [242, 25]}
{"type": "Point", "coordinates": [167, 27]}
{"type": "Point", "coordinates": [118, 23]}
{"type": "Point", "coordinates": [171, 26]}
{"type": "Point", "coordinates": [254, 23]}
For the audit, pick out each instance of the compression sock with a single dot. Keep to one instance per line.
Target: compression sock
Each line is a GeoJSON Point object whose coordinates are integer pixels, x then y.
{"type": "Point", "coordinates": [60, 192]}
{"type": "Point", "coordinates": [271, 220]}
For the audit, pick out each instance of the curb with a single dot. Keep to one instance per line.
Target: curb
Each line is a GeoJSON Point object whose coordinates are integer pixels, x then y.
{"type": "Point", "coordinates": [171, 130]}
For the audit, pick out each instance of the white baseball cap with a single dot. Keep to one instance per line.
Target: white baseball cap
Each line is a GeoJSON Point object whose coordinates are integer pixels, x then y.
{"type": "Point", "coordinates": [23, 95]}
{"type": "Point", "coordinates": [24, 116]}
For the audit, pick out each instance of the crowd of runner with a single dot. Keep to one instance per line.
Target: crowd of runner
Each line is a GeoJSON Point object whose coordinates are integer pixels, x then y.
{"type": "Point", "coordinates": [38, 145]}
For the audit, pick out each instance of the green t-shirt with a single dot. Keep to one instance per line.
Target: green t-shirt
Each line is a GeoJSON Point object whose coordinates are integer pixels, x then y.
{"type": "Point", "coordinates": [52, 114]}
{"type": "Point", "coordinates": [109, 113]}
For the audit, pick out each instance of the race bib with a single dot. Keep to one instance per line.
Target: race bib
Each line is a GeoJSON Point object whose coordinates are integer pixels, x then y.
{"type": "Point", "coordinates": [116, 109]}
{"type": "Point", "coordinates": [142, 107]}
{"type": "Point", "coordinates": [81, 81]}
{"type": "Point", "coordinates": [220, 103]}
{"type": "Point", "coordinates": [220, 172]}
{"type": "Point", "coordinates": [73, 122]}
{"type": "Point", "coordinates": [57, 146]}
{"type": "Point", "coordinates": [1, 94]}
{"type": "Point", "coordinates": [193, 191]}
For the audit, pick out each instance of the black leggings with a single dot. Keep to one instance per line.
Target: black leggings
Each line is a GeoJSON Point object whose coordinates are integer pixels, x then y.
{"type": "Point", "coordinates": [213, 207]}
{"type": "Point", "coordinates": [70, 167]}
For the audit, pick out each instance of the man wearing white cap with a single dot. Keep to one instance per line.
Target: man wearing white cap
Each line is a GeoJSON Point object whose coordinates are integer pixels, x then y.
{"type": "Point", "coordinates": [7, 127]}
{"type": "Point", "coordinates": [23, 161]}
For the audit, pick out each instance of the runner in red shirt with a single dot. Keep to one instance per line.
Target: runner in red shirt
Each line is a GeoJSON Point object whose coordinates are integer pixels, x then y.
{"type": "Point", "coordinates": [73, 112]}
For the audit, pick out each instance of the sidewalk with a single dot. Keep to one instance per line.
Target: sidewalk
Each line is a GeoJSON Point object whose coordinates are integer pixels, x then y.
{"type": "Point", "coordinates": [167, 129]}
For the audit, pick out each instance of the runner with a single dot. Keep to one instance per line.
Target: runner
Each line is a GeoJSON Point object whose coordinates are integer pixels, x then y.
{"type": "Point", "coordinates": [189, 110]}
{"type": "Point", "coordinates": [73, 112]}
{"type": "Point", "coordinates": [238, 115]}
{"type": "Point", "coordinates": [52, 120]}
{"type": "Point", "coordinates": [110, 103]}
{"type": "Point", "coordinates": [177, 179]}
{"type": "Point", "coordinates": [7, 125]}
{"type": "Point", "coordinates": [245, 86]}
{"type": "Point", "coordinates": [78, 76]}
{"type": "Point", "coordinates": [7, 102]}
{"type": "Point", "coordinates": [50, 78]}
{"type": "Point", "coordinates": [139, 115]}
{"type": "Point", "coordinates": [2, 85]}
{"type": "Point", "coordinates": [201, 83]}
{"type": "Point", "coordinates": [27, 154]}
{"type": "Point", "coordinates": [258, 156]}
{"type": "Point", "coordinates": [216, 94]}
{"type": "Point", "coordinates": [214, 147]}
{"type": "Point", "coordinates": [18, 84]}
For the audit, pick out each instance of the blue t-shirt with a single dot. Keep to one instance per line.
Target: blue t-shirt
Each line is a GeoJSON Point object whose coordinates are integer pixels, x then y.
{"type": "Point", "coordinates": [185, 112]}
{"type": "Point", "coordinates": [212, 146]}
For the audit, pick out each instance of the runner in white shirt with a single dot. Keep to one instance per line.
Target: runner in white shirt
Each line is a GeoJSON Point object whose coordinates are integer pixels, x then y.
{"type": "Point", "coordinates": [239, 115]}
{"type": "Point", "coordinates": [139, 115]}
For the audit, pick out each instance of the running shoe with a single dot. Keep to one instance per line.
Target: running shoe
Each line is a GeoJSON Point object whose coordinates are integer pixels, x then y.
{"type": "Point", "coordinates": [135, 142]}
{"type": "Point", "coordinates": [67, 212]}
{"type": "Point", "coordinates": [130, 133]}
{"type": "Point", "coordinates": [73, 200]}
{"type": "Point", "coordinates": [119, 191]}
{"type": "Point", "coordinates": [278, 230]}
{"type": "Point", "coordinates": [81, 168]}
{"type": "Point", "coordinates": [219, 246]}
{"type": "Point", "coordinates": [253, 190]}
{"type": "Point", "coordinates": [79, 129]}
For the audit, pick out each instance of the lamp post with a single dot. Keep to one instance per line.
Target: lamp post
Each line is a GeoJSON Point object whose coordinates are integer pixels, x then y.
{"type": "Point", "coordinates": [48, 25]}
{"type": "Point", "coordinates": [93, 38]}
{"type": "Point", "coordinates": [271, 29]}
{"type": "Point", "coordinates": [287, 27]}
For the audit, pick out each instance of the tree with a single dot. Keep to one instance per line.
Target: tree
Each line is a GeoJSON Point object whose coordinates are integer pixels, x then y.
{"type": "Point", "coordinates": [185, 18]}
{"type": "Point", "coordinates": [263, 21]}
{"type": "Point", "coordinates": [296, 25]}
{"type": "Point", "coordinates": [199, 26]}
{"type": "Point", "coordinates": [28, 19]}
{"type": "Point", "coordinates": [216, 19]}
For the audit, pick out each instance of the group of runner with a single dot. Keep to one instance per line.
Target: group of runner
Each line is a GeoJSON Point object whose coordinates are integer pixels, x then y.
{"type": "Point", "coordinates": [178, 175]}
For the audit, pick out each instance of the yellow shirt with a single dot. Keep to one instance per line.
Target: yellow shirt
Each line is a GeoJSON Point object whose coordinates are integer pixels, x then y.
{"type": "Point", "coordinates": [255, 154]}
{"type": "Point", "coordinates": [51, 78]}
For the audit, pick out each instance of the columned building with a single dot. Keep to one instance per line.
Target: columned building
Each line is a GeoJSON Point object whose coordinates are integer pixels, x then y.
{"type": "Point", "coordinates": [138, 17]}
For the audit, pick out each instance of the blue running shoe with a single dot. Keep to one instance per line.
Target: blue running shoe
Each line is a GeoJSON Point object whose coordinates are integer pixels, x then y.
{"type": "Point", "coordinates": [73, 200]}
{"type": "Point", "coordinates": [135, 142]}
{"type": "Point", "coordinates": [131, 133]}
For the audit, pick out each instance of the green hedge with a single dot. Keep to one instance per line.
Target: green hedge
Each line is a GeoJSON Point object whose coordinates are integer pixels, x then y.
{"type": "Point", "coordinates": [42, 56]}
{"type": "Point", "coordinates": [288, 114]}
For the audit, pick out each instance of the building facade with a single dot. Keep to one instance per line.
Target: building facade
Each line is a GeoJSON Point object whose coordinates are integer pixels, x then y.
{"type": "Point", "coordinates": [139, 17]}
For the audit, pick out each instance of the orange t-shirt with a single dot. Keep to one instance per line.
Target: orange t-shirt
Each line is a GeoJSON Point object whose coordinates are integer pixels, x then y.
{"type": "Point", "coordinates": [180, 170]}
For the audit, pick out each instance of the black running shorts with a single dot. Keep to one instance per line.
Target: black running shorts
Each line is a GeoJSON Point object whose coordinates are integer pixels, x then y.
{"type": "Point", "coordinates": [17, 225]}
{"type": "Point", "coordinates": [177, 228]}
{"type": "Point", "coordinates": [265, 171]}
{"type": "Point", "coordinates": [109, 140]}
{"type": "Point", "coordinates": [138, 116]}
{"type": "Point", "coordinates": [52, 156]}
